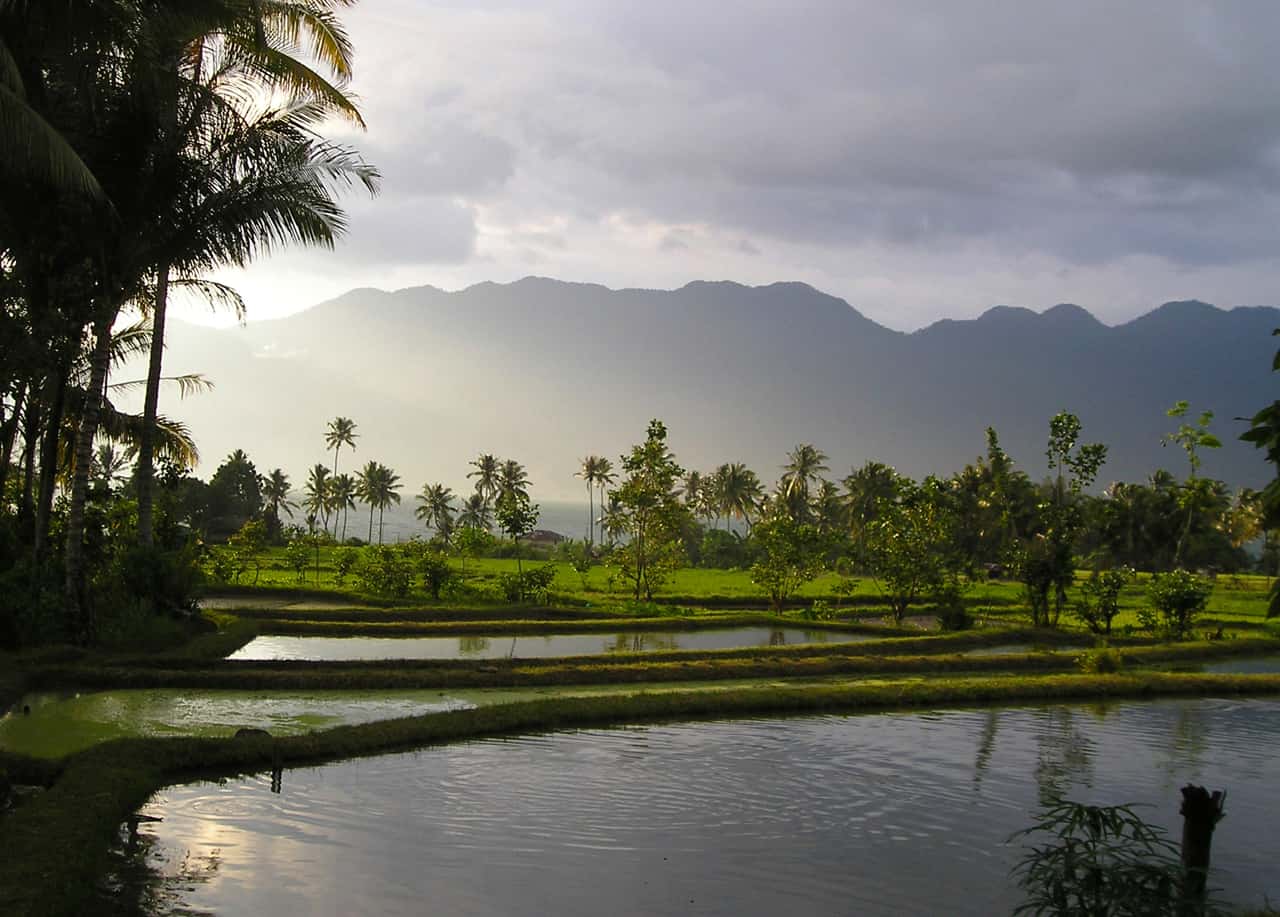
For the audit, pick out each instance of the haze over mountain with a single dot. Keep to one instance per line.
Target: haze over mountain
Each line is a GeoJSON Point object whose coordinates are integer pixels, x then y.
{"type": "Point", "coordinates": [546, 372]}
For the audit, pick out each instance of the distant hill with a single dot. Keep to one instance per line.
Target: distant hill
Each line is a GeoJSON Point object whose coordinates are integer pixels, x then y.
{"type": "Point", "coordinates": [547, 372]}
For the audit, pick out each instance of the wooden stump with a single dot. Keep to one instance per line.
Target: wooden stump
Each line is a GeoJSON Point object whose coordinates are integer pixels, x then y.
{"type": "Point", "coordinates": [1201, 811]}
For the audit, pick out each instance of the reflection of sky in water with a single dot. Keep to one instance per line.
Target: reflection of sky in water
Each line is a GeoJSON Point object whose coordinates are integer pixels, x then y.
{"type": "Point", "coordinates": [532, 646]}
{"type": "Point", "coordinates": [877, 814]}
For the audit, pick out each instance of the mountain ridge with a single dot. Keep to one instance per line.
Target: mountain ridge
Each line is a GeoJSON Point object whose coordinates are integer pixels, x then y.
{"type": "Point", "coordinates": [546, 371]}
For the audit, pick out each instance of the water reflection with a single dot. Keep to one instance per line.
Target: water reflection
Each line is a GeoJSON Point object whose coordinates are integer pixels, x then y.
{"type": "Point", "coordinates": [883, 814]}
{"type": "Point", "coordinates": [535, 646]}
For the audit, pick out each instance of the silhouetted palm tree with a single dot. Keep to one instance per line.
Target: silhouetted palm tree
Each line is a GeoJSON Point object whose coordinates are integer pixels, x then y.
{"type": "Point", "coordinates": [343, 493]}
{"type": "Point", "coordinates": [475, 514]}
{"type": "Point", "coordinates": [486, 475]}
{"type": "Point", "coordinates": [275, 491]}
{"type": "Point", "coordinates": [805, 464]}
{"type": "Point", "coordinates": [317, 499]}
{"type": "Point", "coordinates": [342, 432]}
{"type": "Point", "coordinates": [435, 508]}
{"type": "Point", "coordinates": [740, 491]}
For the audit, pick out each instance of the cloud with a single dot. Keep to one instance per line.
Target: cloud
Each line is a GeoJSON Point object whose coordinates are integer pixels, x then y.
{"type": "Point", "coordinates": [828, 141]}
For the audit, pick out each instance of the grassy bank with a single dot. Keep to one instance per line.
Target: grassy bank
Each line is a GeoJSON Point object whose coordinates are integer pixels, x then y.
{"type": "Point", "coordinates": [53, 849]}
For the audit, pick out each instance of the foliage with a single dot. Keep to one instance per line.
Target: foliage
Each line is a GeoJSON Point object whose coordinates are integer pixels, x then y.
{"type": "Point", "coordinates": [948, 600]}
{"type": "Point", "coordinates": [234, 496]}
{"type": "Point", "coordinates": [1264, 433]}
{"type": "Point", "coordinates": [246, 547]}
{"type": "Point", "coordinates": [1178, 599]}
{"type": "Point", "coordinates": [385, 571]}
{"type": "Point", "coordinates": [344, 561]}
{"type": "Point", "coordinates": [1100, 861]}
{"type": "Point", "coordinates": [1045, 562]}
{"type": "Point", "coordinates": [907, 546]}
{"type": "Point", "coordinates": [533, 584]}
{"type": "Point", "coordinates": [651, 513]}
{"type": "Point", "coordinates": [1101, 660]}
{"type": "Point", "coordinates": [820, 610]}
{"type": "Point", "coordinates": [297, 554]}
{"type": "Point", "coordinates": [431, 563]}
{"type": "Point", "coordinates": [722, 550]}
{"type": "Point", "coordinates": [1099, 600]}
{"type": "Point", "coordinates": [791, 554]}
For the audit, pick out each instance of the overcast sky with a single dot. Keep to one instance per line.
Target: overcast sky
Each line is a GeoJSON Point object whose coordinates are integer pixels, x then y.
{"type": "Point", "coordinates": [920, 159]}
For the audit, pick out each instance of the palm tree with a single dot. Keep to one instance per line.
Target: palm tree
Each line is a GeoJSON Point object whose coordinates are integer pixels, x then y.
{"type": "Point", "coordinates": [604, 478]}
{"type": "Point", "coordinates": [475, 513]}
{"type": "Point", "coordinates": [486, 475]}
{"type": "Point", "coordinates": [275, 491]}
{"type": "Point", "coordinates": [805, 464]}
{"type": "Point", "coordinates": [588, 471]}
{"type": "Point", "coordinates": [343, 493]}
{"type": "Point", "coordinates": [341, 432]}
{"type": "Point", "coordinates": [386, 483]}
{"type": "Point", "coordinates": [198, 119]}
{"type": "Point", "coordinates": [317, 500]}
{"type": "Point", "coordinates": [366, 484]}
{"type": "Point", "coordinates": [435, 508]}
{"type": "Point", "coordinates": [613, 519]}
{"type": "Point", "coordinates": [740, 491]}
{"type": "Point", "coordinates": [513, 481]}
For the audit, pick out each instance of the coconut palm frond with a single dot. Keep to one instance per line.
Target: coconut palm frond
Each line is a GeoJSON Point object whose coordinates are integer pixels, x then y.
{"type": "Point", "coordinates": [217, 295]}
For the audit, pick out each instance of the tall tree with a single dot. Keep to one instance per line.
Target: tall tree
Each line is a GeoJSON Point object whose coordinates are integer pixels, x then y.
{"type": "Point", "coordinates": [275, 491]}
{"type": "Point", "coordinates": [317, 499]}
{"type": "Point", "coordinates": [486, 475]}
{"type": "Point", "coordinates": [513, 480]}
{"type": "Point", "coordinates": [589, 470]}
{"type": "Point", "coordinates": [805, 466]}
{"type": "Point", "coordinates": [342, 491]}
{"type": "Point", "coordinates": [435, 508]}
{"type": "Point", "coordinates": [341, 432]}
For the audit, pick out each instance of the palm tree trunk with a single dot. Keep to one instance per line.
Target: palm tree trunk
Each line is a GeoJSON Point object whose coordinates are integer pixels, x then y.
{"type": "Point", "coordinates": [79, 611]}
{"type": "Point", "coordinates": [49, 460]}
{"type": "Point", "coordinates": [144, 476]}
{"type": "Point", "coordinates": [381, 509]}
{"type": "Point", "coordinates": [369, 540]}
{"type": "Point", "coordinates": [9, 433]}
{"type": "Point", "coordinates": [591, 516]}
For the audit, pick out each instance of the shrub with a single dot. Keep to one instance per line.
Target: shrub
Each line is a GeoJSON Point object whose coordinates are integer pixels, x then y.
{"type": "Point", "coordinates": [436, 572]}
{"type": "Point", "coordinates": [531, 585]}
{"type": "Point", "coordinates": [948, 599]}
{"type": "Point", "coordinates": [1101, 860]}
{"type": "Point", "coordinates": [385, 572]}
{"type": "Point", "coordinates": [296, 557]}
{"type": "Point", "coordinates": [344, 561]}
{"type": "Point", "coordinates": [722, 550]}
{"type": "Point", "coordinates": [820, 610]}
{"type": "Point", "coordinates": [1099, 601]}
{"type": "Point", "coordinates": [1178, 598]}
{"type": "Point", "coordinates": [1101, 660]}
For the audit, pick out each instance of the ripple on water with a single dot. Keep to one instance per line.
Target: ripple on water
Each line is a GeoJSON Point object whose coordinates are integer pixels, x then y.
{"type": "Point", "coordinates": [881, 814]}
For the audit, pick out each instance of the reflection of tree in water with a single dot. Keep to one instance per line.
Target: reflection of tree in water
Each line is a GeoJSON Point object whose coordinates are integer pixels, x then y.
{"type": "Point", "coordinates": [1064, 756]}
{"type": "Point", "coordinates": [136, 883]}
{"type": "Point", "coordinates": [777, 637]}
{"type": "Point", "coordinates": [1191, 735]}
{"type": "Point", "coordinates": [986, 746]}
{"type": "Point", "coordinates": [641, 642]}
{"type": "Point", "coordinates": [472, 646]}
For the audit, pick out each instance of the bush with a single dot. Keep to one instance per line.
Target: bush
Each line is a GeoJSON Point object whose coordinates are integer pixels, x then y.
{"type": "Point", "coordinates": [948, 599]}
{"type": "Point", "coordinates": [344, 561]}
{"type": "Point", "coordinates": [297, 556]}
{"type": "Point", "coordinates": [1101, 860]}
{"type": "Point", "coordinates": [1178, 599]}
{"type": "Point", "coordinates": [385, 572]}
{"type": "Point", "coordinates": [1099, 601]}
{"type": "Point", "coordinates": [436, 572]}
{"type": "Point", "coordinates": [820, 610]}
{"type": "Point", "coordinates": [1101, 660]}
{"type": "Point", "coordinates": [532, 585]}
{"type": "Point", "coordinates": [722, 550]}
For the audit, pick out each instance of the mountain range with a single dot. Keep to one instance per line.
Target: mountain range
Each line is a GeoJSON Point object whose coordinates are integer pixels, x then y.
{"type": "Point", "coordinates": [546, 372]}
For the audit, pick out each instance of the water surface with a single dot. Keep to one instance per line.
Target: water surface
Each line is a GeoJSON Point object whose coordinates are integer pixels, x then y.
{"type": "Point", "coordinates": [533, 646]}
{"type": "Point", "coordinates": [874, 814]}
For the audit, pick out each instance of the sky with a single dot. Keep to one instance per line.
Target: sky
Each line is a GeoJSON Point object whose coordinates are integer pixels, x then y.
{"type": "Point", "coordinates": [924, 159]}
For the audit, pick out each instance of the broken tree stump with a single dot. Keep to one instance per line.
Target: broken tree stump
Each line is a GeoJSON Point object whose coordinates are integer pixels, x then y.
{"type": "Point", "coordinates": [1201, 811]}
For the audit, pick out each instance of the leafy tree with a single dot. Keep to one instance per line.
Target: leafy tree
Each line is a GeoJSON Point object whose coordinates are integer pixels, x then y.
{"type": "Point", "coordinates": [649, 511]}
{"type": "Point", "coordinates": [234, 495]}
{"type": "Point", "coordinates": [344, 561]}
{"type": "Point", "coordinates": [1178, 598]}
{"type": "Point", "coordinates": [790, 555]}
{"type": "Point", "coordinates": [866, 489]}
{"type": "Point", "coordinates": [1264, 433]}
{"type": "Point", "coordinates": [247, 545]}
{"type": "Point", "coordinates": [517, 517]}
{"type": "Point", "coordinates": [1046, 562]}
{"type": "Point", "coordinates": [297, 554]}
{"type": "Point", "coordinates": [471, 540]}
{"type": "Point", "coordinates": [1192, 438]}
{"type": "Point", "coordinates": [908, 545]}
{"type": "Point", "coordinates": [1099, 601]}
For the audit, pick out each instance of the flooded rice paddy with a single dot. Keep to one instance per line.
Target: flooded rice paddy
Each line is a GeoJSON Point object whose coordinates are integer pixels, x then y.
{"type": "Point", "coordinates": [904, 813]}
